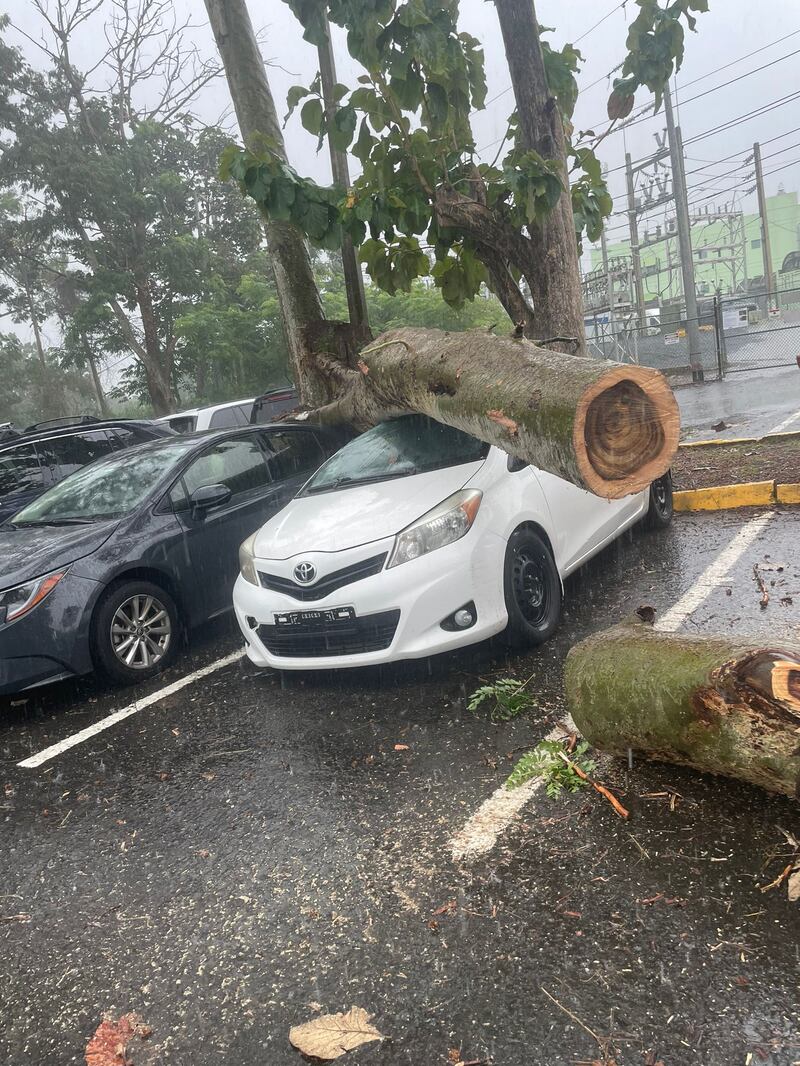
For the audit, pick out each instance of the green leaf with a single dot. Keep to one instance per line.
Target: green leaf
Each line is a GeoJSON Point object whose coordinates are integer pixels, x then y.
{"type": "Point", "coordinates": [343, 128]}
{"type": "Point", "coordinates": [312, 115]}
{"type": "Point", "coordinates": [364, 142]}
{"type": "Point", "coordinates": [293, 98]}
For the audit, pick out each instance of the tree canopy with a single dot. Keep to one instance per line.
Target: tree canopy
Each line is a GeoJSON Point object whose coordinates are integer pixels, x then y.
{"type": "Point", "coordinates": [424, 204]}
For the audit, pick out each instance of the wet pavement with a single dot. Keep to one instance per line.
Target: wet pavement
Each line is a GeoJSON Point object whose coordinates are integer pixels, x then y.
{"type": "Point", "coordinates": [251, 850]}
{"type": "Point", "coordinates": [750, 403]}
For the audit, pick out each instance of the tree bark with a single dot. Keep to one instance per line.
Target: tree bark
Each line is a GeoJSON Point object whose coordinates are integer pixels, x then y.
{"type": "Point", "coordinates": [158, 375]}
{"type": "Point", "coordinates": [716, 704]}
{"type": "Point", "coordinates": [606, 427]}
{"type": "Point", "coordinates": [100, 396]}
{"type": "Point", "coordinates": [554, 275]}
{"type": "Point", "coordinates": [298, 295]}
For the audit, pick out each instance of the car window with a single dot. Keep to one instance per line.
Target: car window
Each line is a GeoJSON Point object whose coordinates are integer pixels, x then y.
{"type": "Point", "coordinates": [69, 453]}
{"type": "Point", "coordinates": [109, 488]}
{"type": "Point", "coordinates": [245, 410]}
{"type": "Point", "coordinates": [293, 453]}
{"type": "Point", "coordinates": [125, 437]}
{"type": "Point", "coordinates": [225, 417]}
{"type": "Point", "coordinates": [20, 470]}
{"type": "Point", "coordinates": [266, 409]}
{"type": "Point", "coordinates": [404, 446]}
{"type": "Point", "coordinates": [239, 464]}
{"type": "Point", "coordinates": [183, 423]}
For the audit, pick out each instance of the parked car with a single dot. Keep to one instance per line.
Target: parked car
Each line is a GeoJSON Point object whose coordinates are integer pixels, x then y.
{"type": "Point", "coordinates": [268, 406]}
{"type": "Point", "coordinates": [33, 459]}
{"type": "Point", "coordinates": [217, 416]}
{"type": "Point", "coordinates": [416, 538]}
{"type": "Point", "coordinates": [108, 568]}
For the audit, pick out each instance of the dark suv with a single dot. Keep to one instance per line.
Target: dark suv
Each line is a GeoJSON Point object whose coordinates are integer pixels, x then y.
{"type": "Point", "coordinates": [33, 459]}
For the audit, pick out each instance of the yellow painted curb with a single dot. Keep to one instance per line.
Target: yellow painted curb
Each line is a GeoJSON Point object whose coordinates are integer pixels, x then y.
{"type": "Point", "coordinates": [785, 435]}
{"type": "Point", "coordinates": [723, 497]}
{"type": "Point", "coordinates": [788, 493]}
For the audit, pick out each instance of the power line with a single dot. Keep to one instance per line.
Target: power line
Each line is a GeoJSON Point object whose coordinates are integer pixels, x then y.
{"type": "Point", "coordinates": [713, 89]}
{"type": "Point", "coordinates": [600, 22]}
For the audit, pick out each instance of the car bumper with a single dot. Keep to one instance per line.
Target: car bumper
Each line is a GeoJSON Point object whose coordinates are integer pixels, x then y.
{"type": "Point", "coordinates": [50, 643]}
{"type": "Point", "coordinates": [409, 602]}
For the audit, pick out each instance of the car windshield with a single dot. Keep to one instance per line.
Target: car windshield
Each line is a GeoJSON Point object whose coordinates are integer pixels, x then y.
{"type": "Point", "coordinates": [414, 444]}
{"type": "Point", "coordinates": [108, 488]}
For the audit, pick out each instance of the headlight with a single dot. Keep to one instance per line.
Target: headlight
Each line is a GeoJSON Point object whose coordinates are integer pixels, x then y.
{"type": "Point", "coordinates": [16, 602]}
{"type": "Point", "coordinates": [447, 522]}
{"type": "Point", "coordinates": [247, 565]}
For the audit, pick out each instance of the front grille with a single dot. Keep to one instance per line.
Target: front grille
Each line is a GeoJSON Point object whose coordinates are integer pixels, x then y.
{"type": "Point", "coordinates": [326, 585]}
{"type": "Point", "coordinates": [314, 640]}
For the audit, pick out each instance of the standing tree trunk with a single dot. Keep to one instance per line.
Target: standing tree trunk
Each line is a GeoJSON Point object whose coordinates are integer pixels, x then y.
{"type": "Point", "coordinates": [158, 374]}
{"type": "Point", "coordinates": [720, 705]}
{"type": "Point", "coordinates": [298, 295]}
{"type": "Point", "coordinates": [554, 275]}
{"type": "Point", "coordinates": [100, 396]}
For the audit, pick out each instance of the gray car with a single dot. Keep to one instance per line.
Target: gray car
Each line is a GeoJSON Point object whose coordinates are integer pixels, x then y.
{"type": "Point", "coordinates": [108, 569]}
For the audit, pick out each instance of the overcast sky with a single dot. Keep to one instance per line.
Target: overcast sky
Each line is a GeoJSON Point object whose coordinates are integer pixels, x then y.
{"type": "Point", "coordinates": [733, 31]}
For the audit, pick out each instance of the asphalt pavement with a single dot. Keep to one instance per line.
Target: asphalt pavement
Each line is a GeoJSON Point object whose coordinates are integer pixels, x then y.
{"type": "Point", "coordinates": [251, 850]}
{"type": "Point", "coordinates": [750, 403]}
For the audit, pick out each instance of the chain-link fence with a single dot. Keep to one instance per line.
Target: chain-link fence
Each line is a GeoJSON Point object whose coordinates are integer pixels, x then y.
{"type": "Point", "coordinates": [758, 331]}
{"type": "Point", "coordinates": [664, 347]}
{"type": "Point", "coordinates": [734, 333]}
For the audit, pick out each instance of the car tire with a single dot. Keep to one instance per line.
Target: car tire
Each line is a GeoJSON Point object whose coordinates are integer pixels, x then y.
{"type": "Point", "coordinates": [532, 588]}
{"type": "Point", "coordinates": [659, 512]}
{"type": "Point", "coordinates": [135, 631]}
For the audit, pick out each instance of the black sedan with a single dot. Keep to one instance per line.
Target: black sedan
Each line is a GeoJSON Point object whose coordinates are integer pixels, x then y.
{"type": "Point", "coordinates": [111, 566]}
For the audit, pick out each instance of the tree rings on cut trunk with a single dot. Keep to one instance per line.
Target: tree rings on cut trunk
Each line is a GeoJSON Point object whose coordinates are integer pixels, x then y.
{"type": "Point", "coordinates": [626, 431]}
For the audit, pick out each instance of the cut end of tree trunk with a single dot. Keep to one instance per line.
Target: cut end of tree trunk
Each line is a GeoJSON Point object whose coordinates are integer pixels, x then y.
{"type": "Point", "coordinates": [626, 431]}
{"type": "Point", "coordinates": [713, 703]}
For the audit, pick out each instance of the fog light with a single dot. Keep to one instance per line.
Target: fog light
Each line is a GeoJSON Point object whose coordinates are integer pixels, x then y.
{"type": "Point", "coordinates": [463, 618]}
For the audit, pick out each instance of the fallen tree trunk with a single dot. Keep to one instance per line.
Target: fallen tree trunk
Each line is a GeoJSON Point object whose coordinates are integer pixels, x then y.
{"type": "Point", "coordinates": [716, 704]}
{"type": "Point", "coordinates": [607, 427]}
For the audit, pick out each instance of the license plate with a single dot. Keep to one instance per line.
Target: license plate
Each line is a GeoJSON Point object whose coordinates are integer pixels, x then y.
{"type": "Point", "coordinates": [314, 618]}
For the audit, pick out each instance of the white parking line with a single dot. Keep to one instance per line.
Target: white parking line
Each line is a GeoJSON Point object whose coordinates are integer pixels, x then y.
{"type": "Point", "coordinates": [146, 701]}
{"type": "Point", "coordinates": [713, 575]}
{"type": "Point", "coordinates": [781, 426]}
{"type": "Point", "coordinates": [494, 815]}
{"type": "Point", "coordinates": [479, 835]}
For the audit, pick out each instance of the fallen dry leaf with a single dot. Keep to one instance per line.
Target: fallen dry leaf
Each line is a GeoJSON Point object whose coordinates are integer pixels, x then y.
{"type": "Point", "coordinates": [794, 884]}
{"type": "Point", "coordinates": [401, 747]}
{"type": "Point", "coordinates": [332, 1035]}
{"type": "Point", "coordinates": [109, 1044]}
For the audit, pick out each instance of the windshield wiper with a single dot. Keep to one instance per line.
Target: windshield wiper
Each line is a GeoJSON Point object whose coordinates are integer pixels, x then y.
{"type": "Point", "coordinates": [56, 522]}
{"type": "Point", "coordinates": [339, 482]}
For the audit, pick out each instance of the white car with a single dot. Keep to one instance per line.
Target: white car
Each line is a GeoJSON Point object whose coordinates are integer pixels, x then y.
{"type": "Point", "coordinates": [218, 416]}
{"type": "Point", "coordinates": [416, 538]}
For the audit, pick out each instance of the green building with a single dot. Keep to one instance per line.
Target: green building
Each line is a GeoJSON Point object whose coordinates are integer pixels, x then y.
{"type": "Point", "coordinates": [727, 252]}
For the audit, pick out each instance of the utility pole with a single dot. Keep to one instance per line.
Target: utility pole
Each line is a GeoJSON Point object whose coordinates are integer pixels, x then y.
{"type": "Point", "coordinates": [766, 247]}
{"type": "Point", "coordinates": [684, 239]}
{"type": "Point", "coordinates": [637, 263]}
{"type": "Point", "coordinates": [353, 278]}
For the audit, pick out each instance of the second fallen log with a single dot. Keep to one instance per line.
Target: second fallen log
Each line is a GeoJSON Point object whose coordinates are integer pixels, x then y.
{"type": "Point", "coordinates": [611, 428]}
{"type": "Point", "coordinates": [717, 704]}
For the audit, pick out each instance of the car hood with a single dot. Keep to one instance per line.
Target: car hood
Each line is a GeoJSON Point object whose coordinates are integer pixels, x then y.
{"type": "Point", "coordinates": [31, 551]}
{"type": "Point", "coordinates": [347, 517]}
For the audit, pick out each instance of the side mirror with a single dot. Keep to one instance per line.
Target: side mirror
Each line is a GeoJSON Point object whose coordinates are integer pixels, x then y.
{"type": "Point", "coordinates": [208, 496]}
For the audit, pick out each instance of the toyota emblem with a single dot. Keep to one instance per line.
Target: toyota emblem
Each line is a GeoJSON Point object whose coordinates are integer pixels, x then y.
{"type": "Point", "coordinates": [305, 573]}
